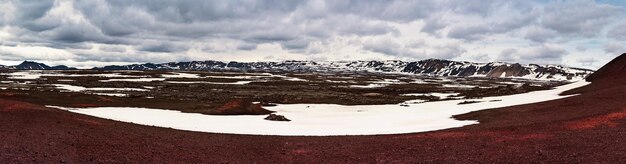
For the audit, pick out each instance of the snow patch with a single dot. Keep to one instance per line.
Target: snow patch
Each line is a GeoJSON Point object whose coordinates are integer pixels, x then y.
{"type": "Point", "coordinates": [37, 74]}
{"type": "Point", "coordinates": [208, 82]}
{"type": "Point", "coordinates": [327, 119]}
{"type": "Point", "coordinates": [181, 75]}
{"type": "Point", "coordinates": [435, 94]}
{"type": "Point", "coordinates": [74, 88]}
{"type": "Point", "coordinates": [369, 86]}
{"type": "Point", "coordinates": [134, 80]}
{"type": "Point", "coordinates": [112, 94]}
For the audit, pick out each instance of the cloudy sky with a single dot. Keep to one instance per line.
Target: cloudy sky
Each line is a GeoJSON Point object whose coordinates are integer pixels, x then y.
{"type": "Point", "coordinates": [85, 33]}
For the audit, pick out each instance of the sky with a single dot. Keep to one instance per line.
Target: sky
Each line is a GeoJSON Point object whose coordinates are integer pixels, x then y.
{"type": "Point", "coordinates": [87, 33]}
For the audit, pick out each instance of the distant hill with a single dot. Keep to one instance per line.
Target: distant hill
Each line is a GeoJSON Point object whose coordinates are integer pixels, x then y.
{"type": "Point", "coordinates": [614, 71]}
{"type": "Point", "coordinates": [30, 65]}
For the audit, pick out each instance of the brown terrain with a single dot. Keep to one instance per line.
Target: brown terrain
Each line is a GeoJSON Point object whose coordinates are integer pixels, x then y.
{"type": "Point", "coordinates": [214, 99]}
{"type": "Point", "coordinates": [587, 128]}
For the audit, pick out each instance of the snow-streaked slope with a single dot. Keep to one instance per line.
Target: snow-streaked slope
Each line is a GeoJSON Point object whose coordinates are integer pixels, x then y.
{"type": "Point", "coordinates": [327, 119]}
{"type": "Point", "coordinates": [431, 67]}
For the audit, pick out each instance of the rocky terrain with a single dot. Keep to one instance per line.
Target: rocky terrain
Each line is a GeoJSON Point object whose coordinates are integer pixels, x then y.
{"type": "Point", "coordinates": [231, 93]}
{"type": "Point", "coordinates": [587, 128]}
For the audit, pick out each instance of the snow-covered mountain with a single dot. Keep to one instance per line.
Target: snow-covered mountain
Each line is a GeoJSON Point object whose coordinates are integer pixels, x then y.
{"type": "Point", "coordinates": [431, 67]}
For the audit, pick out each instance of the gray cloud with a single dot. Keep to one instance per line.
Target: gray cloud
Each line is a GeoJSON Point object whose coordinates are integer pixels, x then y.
{"type": "Point", "coordinates": [618, 31]}
{"type": "Point", "coordinates": [480, 58]}
{"type": "Point", "coordinates": [162, 47]}
{"type": "Point", "coordinates": [76, 34]}
{"type": "Point", "coordinates": [542, 54]}
{"type": "Point", "coordinates": [112, 48]}
{"type": "Point", "coordinates": [246, 46]}
{"type": "Point", "coordinates": [523, 15]}
{"type": "Point", "coordinates": [540, 34]}
{"type": "Point", "coordinates": [587, 61]}
{"type": "Point", "coordinates": [447, 51]}
{"type": "Point", "coordinates": [32, 10]}
{"type": "Point", "coordinates": [295, 44]}
{"type": "Point", "coordinates": [433, 26]}
{"type": "Point", "coordinates": [469, 32]}
{"type": "Point", "coordinates": [579, 17]}
{"type": "Point", "coordinates": [615, 48]}
{"type": "Point", "coordinates": [384, 46]}
{"type": "Point", "coordinates": [154, 28]}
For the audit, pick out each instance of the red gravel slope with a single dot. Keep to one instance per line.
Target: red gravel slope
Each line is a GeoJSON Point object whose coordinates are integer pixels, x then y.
{"type": "Point", "coordinates": [581, 129]}
{"type": "Point", "coordinates": [614, 71]}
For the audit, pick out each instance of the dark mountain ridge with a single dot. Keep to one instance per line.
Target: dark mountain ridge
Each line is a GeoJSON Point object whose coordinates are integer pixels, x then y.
{"type": "Point", "coordinates": [429, 67]}
{"type": "Point", "coordinates": [432, 67]}
{"type": "Point", "coordinates": [30, 65]}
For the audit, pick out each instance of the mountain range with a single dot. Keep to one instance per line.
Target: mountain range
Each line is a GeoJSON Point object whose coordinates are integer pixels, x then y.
{"type": "Point", "coordinates": [430, 67]}
{"type": "Point", "coordinates": [30, 65]}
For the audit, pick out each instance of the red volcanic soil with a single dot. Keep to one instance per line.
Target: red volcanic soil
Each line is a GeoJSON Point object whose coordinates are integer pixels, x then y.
{"type": "Point", "coordinates": [587, 128]}
{"type": "Point", "coordinates": [614, 71]}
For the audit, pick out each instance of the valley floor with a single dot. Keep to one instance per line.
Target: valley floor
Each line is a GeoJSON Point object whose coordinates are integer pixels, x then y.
{"type": "Point", "coordinates": [588, 128]}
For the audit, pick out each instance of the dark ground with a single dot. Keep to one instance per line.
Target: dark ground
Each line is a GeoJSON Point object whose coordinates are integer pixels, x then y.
{"type": "Point", "coordinates": [210, 98]}
{"type": "Point", "coordinates": [588, 128]}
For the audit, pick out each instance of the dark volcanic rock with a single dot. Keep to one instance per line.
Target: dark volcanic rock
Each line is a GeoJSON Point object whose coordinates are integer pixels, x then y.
{"type": "Point", "coordinates": [275, 117]}
{"type": "Point", "coordinates": [29, 65]}
{"type": "Point", "coordinates": [514, 70]}
{"type": "Point", "coordinates": [468, 102]}
{"type": "Point", "coordinates": [241, 107]}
